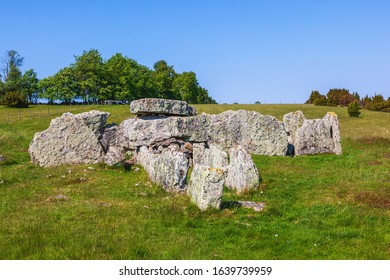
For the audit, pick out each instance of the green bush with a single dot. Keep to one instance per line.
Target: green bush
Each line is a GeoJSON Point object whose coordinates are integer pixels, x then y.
{"type": "Point", "coordinates": [354, 109]}
{"type": "Point", "coordinates": [14, 99]}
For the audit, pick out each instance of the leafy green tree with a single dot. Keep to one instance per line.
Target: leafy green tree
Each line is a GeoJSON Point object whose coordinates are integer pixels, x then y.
{"type": "Point", "coordinates": [88, 70]}
{"type": "Point", "coordinates": [29, 86]}
{"type": "Point", "coordinates": [356, 96]}
{"type": "Point", "coordinates": [186, 86]}
{"type": "Point", "coordinates": [313, 96]}
{"type": "Point", "coordinates": [62, 86]}
{"type": "Point", "coordinates": [377, 98]}
{"type": "Point", "coordinates": [321, 101]}
{"type": "Point", "coordinates": [163, 77]}
{"type": "Point", "coordinates": [354, 109]}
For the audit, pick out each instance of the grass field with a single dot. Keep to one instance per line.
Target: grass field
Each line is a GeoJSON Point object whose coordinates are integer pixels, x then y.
{"type": "Point", "coordinates": [317, 207]}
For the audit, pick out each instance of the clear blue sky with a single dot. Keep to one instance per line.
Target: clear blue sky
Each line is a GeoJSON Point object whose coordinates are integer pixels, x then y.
{"type": "Point", "coordinates": [271, 51]}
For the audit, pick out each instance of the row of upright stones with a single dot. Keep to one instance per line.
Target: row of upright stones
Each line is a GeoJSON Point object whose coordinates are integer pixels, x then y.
{"type": "Point", "coordinates": [172, 143]}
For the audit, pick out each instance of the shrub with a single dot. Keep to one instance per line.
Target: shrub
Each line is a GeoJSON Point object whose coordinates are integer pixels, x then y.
{"type": "Point", "coordinates": [14, 99]}
{"type": "Point", "coordinates": [354, 109]}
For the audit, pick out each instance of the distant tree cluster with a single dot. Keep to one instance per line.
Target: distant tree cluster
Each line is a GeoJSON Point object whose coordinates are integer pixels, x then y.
{"type": "Point", "coordinates": [92, 79]}
{"type": "Point", "coordinates": [343, 98]}
{"type": "Point", "coordinates": [17, 89]}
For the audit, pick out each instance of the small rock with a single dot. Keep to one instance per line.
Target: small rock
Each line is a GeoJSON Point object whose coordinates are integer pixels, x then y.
{"type": "Point", "coordinates": [257, 206]}
{"type": "Point", "coordinates": [61, 197]}
{"type": "Point", "coordinates": [90, 168]}
{"type": "Point", "coordinates": [2, 158]}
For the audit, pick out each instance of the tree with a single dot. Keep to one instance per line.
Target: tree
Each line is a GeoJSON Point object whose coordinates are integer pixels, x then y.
{"type": "Point", "coordinates": [62, 86]}
{"type": "Point", "coordinates": [356, 96]}
{"type": "Point", "coordinates": [88, 70]}
{"type": "Point", "coordinates": [163, 77]}
{"type": "Point", "coordinates": [29, 87]}
{"type": "Point", "coordinates": [186, 86]}
{"type": "Point", "coordinates": [321, 101]}
{"type": "Point", "coordinates": [345, 99]}
{"type": "Point", "coordinates": [313, 96]}
{"type": "Point", "coordinates": [354, 109]}
{"type": "Point", "coordinates": [334, 96]}
{"type": "Point", "coordinates": [11, 59]}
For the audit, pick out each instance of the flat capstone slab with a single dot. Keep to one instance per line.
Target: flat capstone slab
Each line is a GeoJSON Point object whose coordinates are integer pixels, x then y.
{"type": "Point", "coordinates": [157, 106]}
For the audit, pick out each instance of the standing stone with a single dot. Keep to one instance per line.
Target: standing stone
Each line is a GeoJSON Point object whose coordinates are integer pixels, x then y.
{"type": "Point", "coordinates": [332, 123]}
{"type": "Point", "coordinates": [157, 106]}
{"type": "Point", "coordinates": [206, 187]}
{"type": "Point", "coordinates": [210, 155]}
{"type": "Point", "coordinates": [292, 121]}
{"type": "Point", "coordinates": [70, 139]}
{"type": "Point", "coordinates": [168, 169]}
{"type": "Point", "coordinates": [314, 137]}
{"type": "Point", "coordinates": [242, 172]}
{"type": "Point", "coordinates": [257, 133]}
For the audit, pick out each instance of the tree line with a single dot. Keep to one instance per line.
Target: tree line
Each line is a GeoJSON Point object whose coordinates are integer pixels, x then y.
{"type": "Point", "coordinates": [343, 98]}
{"type": "Point", "coordinates": [92, 79]}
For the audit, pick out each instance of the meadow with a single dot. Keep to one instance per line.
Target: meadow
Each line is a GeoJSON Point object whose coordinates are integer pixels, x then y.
{"type": "Point", "coordinates": [317, 207]}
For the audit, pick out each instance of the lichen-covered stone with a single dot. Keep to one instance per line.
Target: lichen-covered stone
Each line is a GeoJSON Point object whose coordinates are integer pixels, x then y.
{"type": "Point", "coordinates": [157, 106]}
{"type": "Point", "coordinates": [209, 155]}
{"type": "Point", "coordinates": [292, 121]}
{"type": "Point", "coordinates": [206, 187]}
{"type": "Point", "coordinates": [256, 206]}
{"type": "Point", "coordinates": [70, 139]}
{"type": "Point", "coordinates": [258, 134]}
{"type": "Point", "coordinates": [113, 156]}
{"type": "Point", "coordinates": [168, 169]}
{"type": "Point", "coordinates": [332, 123]}
{"type": "Point", "coordinates": [314, 137]}
{"type": "Point", "coordinates": [242, 172]}
{"type": "Point", "coordinates": [145, 131]}
{"type": "Point", "coordinates": [95, 120]}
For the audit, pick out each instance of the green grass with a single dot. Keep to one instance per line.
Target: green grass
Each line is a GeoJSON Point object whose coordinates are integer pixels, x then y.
{"type": "Point", "coordinates": [317, 207]}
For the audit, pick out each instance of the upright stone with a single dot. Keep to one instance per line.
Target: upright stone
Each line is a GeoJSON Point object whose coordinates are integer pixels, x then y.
{"type": "Point", "coordinates": [258, 134]}
{"type": "Point", "coordinates": [209, 155]}
{"type": "Point", "coordinates": [168, 168]}
{"type": "Point", "coordinates": [157, 106]}
{"type": "Point", "coordinates": [206, 187]}
{"type": "Point", "coordinates": [292, 121]}
{"type": "Point", "coordinates": [242, 172]}
{"type": "Point", "coordinates": [314, 137]}
{"type": "Point", "coordinates": [332, 123]}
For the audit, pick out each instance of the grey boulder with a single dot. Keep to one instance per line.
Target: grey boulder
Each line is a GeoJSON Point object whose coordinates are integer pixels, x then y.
{"type": "Point", "coordinates": [70, 139]}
